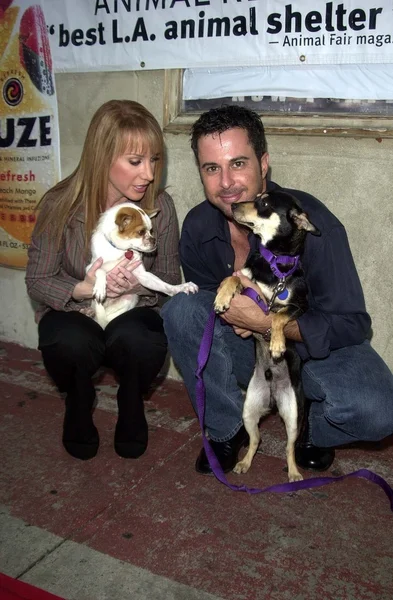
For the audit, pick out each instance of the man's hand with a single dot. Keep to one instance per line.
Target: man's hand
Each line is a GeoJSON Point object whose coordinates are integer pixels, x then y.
{"type": "Point", "coordinates": [244, 333]}
{"type": "Point", "coordinates": [245, 315]}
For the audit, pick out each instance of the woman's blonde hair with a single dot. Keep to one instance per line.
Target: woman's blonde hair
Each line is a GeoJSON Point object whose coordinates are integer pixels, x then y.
{"type": "Point", "coordinates": [118, 127]}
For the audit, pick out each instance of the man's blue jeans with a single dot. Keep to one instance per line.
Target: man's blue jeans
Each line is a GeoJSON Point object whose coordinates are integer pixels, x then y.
{"type": "Point", "coordinates": [351, 389]}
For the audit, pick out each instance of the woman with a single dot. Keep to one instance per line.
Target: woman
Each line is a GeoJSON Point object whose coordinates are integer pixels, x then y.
{"type": "Point", "coordinates": [122, 159]}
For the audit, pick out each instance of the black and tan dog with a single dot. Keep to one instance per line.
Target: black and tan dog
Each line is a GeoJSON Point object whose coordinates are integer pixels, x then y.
{"type": "Point", "coordinates": [282, 225]}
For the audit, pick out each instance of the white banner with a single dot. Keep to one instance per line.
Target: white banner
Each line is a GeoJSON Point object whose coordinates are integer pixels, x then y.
{"type": "Point", "coordinates": [355, 82]}
{"type": "Point", "coordinates": [109, 35]}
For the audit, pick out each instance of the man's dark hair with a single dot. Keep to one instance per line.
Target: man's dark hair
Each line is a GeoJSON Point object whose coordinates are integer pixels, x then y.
{"type": "Point", "coordinates": [218, 120]}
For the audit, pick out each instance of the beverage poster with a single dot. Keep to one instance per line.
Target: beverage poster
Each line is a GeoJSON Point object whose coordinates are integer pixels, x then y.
{"type": "Point", "coordinates": [29, 140]}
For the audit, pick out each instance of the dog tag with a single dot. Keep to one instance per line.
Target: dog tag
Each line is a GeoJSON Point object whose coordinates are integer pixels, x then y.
{"type": "Point", "coordinates": [129, 254]}
{"type": "Point", "coordinates": [283, 295]}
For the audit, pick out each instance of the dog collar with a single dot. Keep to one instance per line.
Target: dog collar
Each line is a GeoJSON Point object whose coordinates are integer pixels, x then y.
{"type": "Point", "coordinates": [280, 290]}
{"type": "Point", "coordinates": [128, 254]}
{"type": "Point", "coordinates": [274, 261]}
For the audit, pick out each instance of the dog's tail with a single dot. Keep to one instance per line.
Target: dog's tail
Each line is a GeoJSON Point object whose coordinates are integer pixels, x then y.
{"type": "Point", "coordinates": [100, 314]}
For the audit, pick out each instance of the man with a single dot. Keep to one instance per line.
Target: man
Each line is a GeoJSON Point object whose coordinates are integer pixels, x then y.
{"type": "Point", "coordinates": [349, 387]}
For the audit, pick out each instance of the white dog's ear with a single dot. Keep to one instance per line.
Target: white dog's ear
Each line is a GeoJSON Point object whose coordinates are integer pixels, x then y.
{"type": "Point", "coordinates": [152, 212]}
{"type": "Point", "coordinates": [123, 219]}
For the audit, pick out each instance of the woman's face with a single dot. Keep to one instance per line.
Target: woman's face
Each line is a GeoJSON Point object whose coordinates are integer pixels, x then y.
{"type": "Point", "coordinates": [130, 175]}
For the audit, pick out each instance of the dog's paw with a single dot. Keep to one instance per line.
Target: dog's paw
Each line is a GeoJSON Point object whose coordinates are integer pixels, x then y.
{"type": "Point", "coordinates": [222, 302]}
{"type": "Point", "coordinates": [295, 476]}
{"type": "Point", "coordinates": [227, 290]}
{"type": "Point", "coordinates": [277, 349]}
{"type": "Point", "coordinates": [242, 467]}
{"type": "Point", "coordinates": [188, 288]}
{"type": "Point", "coordinates": [99, 291]}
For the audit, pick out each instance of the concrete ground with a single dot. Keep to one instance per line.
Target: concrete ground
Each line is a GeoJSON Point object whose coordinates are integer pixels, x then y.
{"type": "Point", "coordinates": [111, 528]}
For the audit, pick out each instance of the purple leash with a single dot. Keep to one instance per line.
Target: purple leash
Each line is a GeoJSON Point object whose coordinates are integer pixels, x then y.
{"type": "Point", "coordinates": [203, 357]}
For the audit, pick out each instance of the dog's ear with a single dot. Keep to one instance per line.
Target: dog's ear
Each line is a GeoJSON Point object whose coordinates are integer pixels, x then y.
{"type": "Point", "coordinates": [302, 222]}
{"type": "Point", "coordinates": [124, 218]}
{"type": "Point", "coordinates": [261, 196]}
{"type": "Point", "coordinates": [152, 212]}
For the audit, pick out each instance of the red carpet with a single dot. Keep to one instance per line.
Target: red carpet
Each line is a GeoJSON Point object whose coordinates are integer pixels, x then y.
{"type": "Point", "coordinates": [158, 515]}
{"type": "Point", "coordinates": [12, 589]}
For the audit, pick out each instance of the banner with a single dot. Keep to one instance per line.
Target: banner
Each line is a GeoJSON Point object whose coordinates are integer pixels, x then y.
{"type": "Point", "coordinates": [110, 35]}
{"type": "Point", "coordinates": [347, 82]}
{"type": "Point", "coordinates": [29, 140]}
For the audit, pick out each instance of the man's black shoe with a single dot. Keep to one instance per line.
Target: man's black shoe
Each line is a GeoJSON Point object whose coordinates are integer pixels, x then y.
{"type": "Point", "coordinates": [308, 456]}
{"type": "Point", "coordinates": [313, 458]}
{"type": "Point", "coordinates": [226, 452]}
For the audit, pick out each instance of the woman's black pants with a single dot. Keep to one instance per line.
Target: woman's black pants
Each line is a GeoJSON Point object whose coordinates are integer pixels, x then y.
{"type": "Point", "coordinates": [73, 347]}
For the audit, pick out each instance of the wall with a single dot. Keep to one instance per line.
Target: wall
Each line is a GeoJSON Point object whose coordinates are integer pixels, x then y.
{"type": "Point", "coordinates": [353, 177]}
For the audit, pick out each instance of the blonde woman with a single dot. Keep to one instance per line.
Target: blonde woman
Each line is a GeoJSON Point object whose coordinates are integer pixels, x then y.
{"type": "Point", "coordinates": [122, 159]}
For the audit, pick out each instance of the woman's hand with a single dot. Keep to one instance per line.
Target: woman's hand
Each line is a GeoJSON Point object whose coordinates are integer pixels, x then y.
{"type": "Point", "coordinates": [84, 289]}
{"type": "Point", "coordinates": [121, 280]}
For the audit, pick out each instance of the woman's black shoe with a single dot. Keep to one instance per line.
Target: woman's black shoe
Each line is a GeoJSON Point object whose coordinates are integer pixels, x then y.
{"type": "Point", "coordinates": [131, 449]}
{"type": "Point", "coordinates": [313, 458]}
{"type": "Point", "coordinates": [226, 452]}
{"type": "Point", "coordinates": [128, 443]}
{"type": "Point", "coordinates": [80, 440]}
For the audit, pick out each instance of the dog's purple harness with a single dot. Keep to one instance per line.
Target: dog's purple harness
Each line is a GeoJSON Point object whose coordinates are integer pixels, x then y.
{"type": "Point", "coordinates": [274, 261]}
{"type": "Point", "coordinates": [203, 357]}
{"type": "Point", "coordinates": [280, 290]}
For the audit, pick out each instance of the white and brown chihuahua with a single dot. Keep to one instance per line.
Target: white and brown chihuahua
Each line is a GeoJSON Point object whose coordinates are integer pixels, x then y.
{"type": "Point", "coordinates": [122, 229]}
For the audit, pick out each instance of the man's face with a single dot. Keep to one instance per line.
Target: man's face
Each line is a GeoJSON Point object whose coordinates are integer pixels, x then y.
{"type": "Point", "coordinates": [229, 169]}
